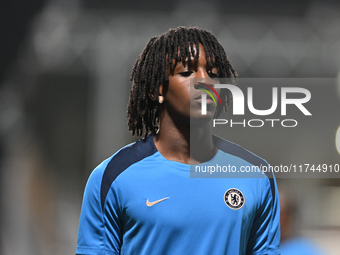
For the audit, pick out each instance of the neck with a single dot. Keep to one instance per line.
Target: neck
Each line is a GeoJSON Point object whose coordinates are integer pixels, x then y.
{"type": "Point", "coordinates": [185, 144]}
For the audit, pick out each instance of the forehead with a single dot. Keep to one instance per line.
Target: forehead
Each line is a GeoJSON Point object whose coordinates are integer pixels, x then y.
{"type": "Point", "coordinates": [191, 55]}
{"type": "Point", "coordinates": [191, 52]}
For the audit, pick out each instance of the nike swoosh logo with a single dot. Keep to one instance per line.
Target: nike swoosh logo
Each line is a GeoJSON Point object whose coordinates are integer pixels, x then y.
{"type": "Point", "coordinates": [148, 203]}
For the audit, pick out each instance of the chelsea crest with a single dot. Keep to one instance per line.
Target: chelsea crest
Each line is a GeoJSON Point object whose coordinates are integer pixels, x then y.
{"type": "Point", "coordinates": [234, 198]}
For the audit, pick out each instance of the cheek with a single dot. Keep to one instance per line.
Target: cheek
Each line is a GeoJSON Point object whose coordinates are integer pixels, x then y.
{"type": "Point", "coordinates": [179, 87]}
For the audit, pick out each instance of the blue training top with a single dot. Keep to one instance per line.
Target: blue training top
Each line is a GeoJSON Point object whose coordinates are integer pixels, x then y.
{"type": "Point", "coordinates": [138, 202]}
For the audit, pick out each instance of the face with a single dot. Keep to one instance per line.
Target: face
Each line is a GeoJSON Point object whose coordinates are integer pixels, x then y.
{"type": "Point", "coordinates": [182, 98]}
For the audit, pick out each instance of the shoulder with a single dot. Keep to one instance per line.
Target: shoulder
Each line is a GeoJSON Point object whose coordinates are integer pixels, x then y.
{"type": "Point", "coordinates": [238, 151]}
{"type": "Point", "coordinates": [127, 156]}
{"type": "Point", "coordinates": [244, 155]}
{"type": "Point", "coordinates": [108, 171]}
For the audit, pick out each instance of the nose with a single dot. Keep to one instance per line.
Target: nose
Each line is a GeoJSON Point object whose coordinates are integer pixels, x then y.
{"type": "Point", "coordinates": [202, 76]}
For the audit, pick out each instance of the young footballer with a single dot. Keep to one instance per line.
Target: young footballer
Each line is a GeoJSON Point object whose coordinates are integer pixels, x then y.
{"type": "Point", "coordinates": [142, 199]}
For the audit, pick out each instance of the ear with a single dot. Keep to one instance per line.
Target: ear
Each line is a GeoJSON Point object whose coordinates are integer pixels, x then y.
{"type": "Point", "coordinates": [160, 98]}
{"type": "Point", "coordinates": [160, 94]}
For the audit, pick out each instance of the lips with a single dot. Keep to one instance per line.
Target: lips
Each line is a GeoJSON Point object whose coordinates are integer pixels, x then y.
{"type": "Point", "coordinates": [198, 98]}
{"type": "Point", "coordinates": [198, 89]}
{"type": "Point", "coordinates": [208, 88]}
{"type": "Point", "coordinates": [209, 101]}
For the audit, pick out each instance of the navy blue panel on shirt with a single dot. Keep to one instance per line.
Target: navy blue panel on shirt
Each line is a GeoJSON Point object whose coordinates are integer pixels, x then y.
{"type": "Point", "coordinates": [240, 152]}
{"type": "Point", "coordinates": [123, 159]}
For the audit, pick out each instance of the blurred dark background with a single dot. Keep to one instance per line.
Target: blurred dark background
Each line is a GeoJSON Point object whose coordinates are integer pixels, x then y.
{"type": "Point", "coordinates": [64, 85]}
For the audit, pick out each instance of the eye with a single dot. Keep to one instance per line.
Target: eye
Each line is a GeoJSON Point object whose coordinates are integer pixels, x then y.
{"type": "Point", "coordinates": [186, 74]}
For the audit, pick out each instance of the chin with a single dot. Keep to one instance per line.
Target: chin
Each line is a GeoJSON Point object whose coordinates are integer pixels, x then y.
{"type": "Point", "coordinates": [199, 120]}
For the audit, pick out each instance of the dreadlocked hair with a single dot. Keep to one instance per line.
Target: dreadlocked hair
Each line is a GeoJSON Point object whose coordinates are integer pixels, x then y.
{"type": "Point", "coordinates": [152, 69]}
